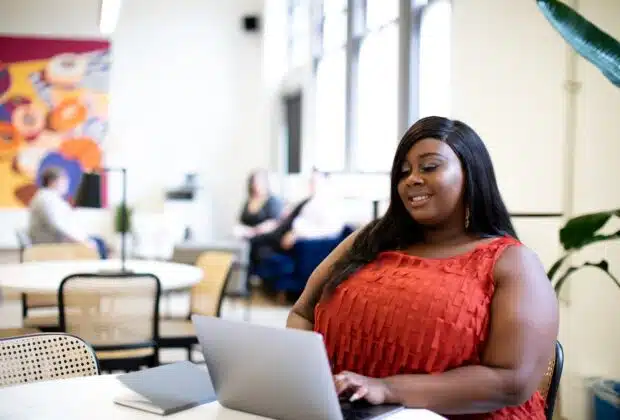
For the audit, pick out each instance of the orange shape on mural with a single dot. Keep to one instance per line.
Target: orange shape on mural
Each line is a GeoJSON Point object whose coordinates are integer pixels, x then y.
{"type": "Point", "coordinates": [84, 150]}
{"type": "Point", "coordinates": [67, 115]}
{"type": "Point", "coordinates": [10, 139]}
{"type": "Point", "coordinates": [29, 120]}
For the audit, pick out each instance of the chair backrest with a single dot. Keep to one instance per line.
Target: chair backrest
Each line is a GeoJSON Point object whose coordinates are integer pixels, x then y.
{"type": "Point", "coordinates": [208, 294]}
{"type": "Point", "coordinates": [52, 252]}
{"type": "Point", "coordinates": [60, 251]}
{"type": "Point", "coordinates": [41, 357]}
{"type": "Point", "coordinates": [23, 240]}
{"type": "Point", "coordinates": [551, 381]}
{"type": "Point", "coordinates": [111, 311]}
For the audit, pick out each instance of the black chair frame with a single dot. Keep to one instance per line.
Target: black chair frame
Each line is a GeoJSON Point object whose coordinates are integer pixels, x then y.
{"type": "Point", "coordinates": [128, 364]}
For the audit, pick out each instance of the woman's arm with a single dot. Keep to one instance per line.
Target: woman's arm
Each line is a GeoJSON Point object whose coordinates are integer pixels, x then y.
{"type": "Point", "coordinates": [521, 342]}
{"type": "Point", "coordinates": [301, 316]}
{"type": "Point", "coordinates": [273, 212]}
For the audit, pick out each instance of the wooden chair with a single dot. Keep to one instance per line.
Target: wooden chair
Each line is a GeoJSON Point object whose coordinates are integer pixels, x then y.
{"type": "Point", "coordinates": [116, 313]}
{"type": "Point", "coordinates": [206, 299]}
{"type": "Point", "coordinates": [41, 357]}
{"type": "Point", "coordinates": [551, 381]}
{"type": "Point", "coordinates": [49, 252]}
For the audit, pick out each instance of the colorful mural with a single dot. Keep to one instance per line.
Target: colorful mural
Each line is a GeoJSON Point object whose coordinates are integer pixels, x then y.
{"type": "Point", "coordinates": [53, 112]}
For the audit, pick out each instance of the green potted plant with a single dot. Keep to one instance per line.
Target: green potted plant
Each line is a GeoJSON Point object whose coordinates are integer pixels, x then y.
{"type": "Point", "coordinates": [603, 51]}
{"type": "Point", "coordinates": [122, 219]}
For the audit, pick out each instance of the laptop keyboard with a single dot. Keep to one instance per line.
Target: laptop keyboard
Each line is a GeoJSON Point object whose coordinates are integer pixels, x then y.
{"type": "Point", "coordinates": [356, 411]}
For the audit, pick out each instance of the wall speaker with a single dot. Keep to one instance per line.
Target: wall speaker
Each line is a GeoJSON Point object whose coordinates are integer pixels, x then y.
{"type": "Point", "coordinates": [251, 23]}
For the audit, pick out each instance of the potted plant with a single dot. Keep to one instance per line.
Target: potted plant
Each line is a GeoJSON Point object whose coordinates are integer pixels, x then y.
{"type": "Point", "coordinates": [122, 219]}
{"type": "Point", "coordinates": [603, 51]}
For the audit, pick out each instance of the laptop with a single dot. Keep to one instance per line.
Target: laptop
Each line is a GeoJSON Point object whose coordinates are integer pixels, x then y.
{"type": "Point", "coordinates": [275, 372]}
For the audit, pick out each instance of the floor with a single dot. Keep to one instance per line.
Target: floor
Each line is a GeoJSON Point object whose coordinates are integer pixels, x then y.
{"type": "Point", "coordinates": [263, 311]}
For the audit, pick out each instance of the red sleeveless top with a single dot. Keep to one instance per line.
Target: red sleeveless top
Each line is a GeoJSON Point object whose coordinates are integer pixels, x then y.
{"type": "Point", "coordinates": [403, 314]}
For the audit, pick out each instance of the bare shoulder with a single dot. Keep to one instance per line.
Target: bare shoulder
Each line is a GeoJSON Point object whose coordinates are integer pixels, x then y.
{"type": "Point", "coordinates": [519, 263]}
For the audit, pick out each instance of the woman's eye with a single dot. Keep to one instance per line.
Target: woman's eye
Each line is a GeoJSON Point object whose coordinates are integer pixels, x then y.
{"type": "Point", "coordinates": [429, 167]}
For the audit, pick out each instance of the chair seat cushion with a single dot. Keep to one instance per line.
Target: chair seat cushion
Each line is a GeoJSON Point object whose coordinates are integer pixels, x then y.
{"type": "Point", "coordinates": [17, 332]}
{"type": "Point", "coordinates": [125, 354]}
{"type": "Point", "coordinates": [172, 328]}
{"type": "Point", "coordinates": [43, 319]}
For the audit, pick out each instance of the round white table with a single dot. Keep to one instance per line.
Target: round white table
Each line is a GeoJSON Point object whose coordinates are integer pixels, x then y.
{"type": "Point", "coordinates": [45, 276]}
{"type": "Point", "coordinates": [92, 398]}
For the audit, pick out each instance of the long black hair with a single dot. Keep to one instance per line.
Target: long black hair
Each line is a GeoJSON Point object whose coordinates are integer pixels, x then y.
{"type": "Point", "coordinates": [488, 216]}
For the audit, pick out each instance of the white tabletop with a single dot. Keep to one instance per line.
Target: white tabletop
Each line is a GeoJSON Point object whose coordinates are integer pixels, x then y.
{"type": "Point", "coordinates": [45, 276]}
{"type": "Point", "coordinates": [92, 398]}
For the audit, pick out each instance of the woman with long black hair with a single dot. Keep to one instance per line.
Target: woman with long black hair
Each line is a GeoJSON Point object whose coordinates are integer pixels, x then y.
{"type": "Point", "coordinates": [437, 304]}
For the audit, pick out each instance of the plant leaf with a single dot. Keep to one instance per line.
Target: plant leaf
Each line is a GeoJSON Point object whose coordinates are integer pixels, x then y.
{"type": "Point", "coordinates": [601, 238]}
{"type": "Point", "coordinates": [596, 46]}
{"type": "Point", "coordinates": [581, 230]}
{"type": "Point", "coordinates": [556, 266]}
{"type": "Point", "coordinates": [602, 265]}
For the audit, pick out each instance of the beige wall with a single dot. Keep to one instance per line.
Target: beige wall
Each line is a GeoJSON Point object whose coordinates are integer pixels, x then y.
{"type": "Point", "coordinates": [509, 81]}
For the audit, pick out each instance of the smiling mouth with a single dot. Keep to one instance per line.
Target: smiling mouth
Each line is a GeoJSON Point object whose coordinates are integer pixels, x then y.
{"type": "Point", "coordinates": [418, 200]}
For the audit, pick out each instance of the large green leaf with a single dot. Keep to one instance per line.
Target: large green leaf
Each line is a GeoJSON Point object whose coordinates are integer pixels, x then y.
{"type": "Point", "coordinates": [588, 40]}
{"type": "Point", "coordinates": [581, 230]}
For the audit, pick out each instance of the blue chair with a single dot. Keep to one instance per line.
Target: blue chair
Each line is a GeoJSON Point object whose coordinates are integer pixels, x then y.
{"type": "Point", "coordinates": [290, 272]}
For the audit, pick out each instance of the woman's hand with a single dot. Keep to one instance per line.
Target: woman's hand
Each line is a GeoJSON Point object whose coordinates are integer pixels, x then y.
{"type": "Point", "coordinates": [375, 391]}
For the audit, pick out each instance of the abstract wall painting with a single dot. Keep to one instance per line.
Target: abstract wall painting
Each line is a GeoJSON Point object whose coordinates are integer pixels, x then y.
{"type": "Point", "coordinates": [53, 112]}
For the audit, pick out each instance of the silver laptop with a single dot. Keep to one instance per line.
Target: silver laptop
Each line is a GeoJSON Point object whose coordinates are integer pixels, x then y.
{"type": "Point", "coordinates": [275, 372]}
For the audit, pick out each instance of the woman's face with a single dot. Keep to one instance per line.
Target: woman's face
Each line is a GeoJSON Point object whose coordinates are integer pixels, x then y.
{"type": "Point", "coordinates": [259, 184]}
{"type": "Point", "coordinates": [431, 187]}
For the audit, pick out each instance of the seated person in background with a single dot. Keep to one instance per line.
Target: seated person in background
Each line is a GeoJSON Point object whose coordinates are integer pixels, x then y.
{"type": "Point", "coordinates": [437, 304]}
{"type": "Point", "coordinates": [51, 219]}
{"type": "Point", "coordinates": [261, 210]}
{"type": "Point", "coordinates": [317, 216]}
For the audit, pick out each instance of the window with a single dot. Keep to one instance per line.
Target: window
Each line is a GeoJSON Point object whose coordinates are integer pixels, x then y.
{"type": "Point", "coordinates": [375, 135]}
{"type": "Point", "coordinates": [357, 86]}
{"type": "Point", "coordinates": [434, 95]}
{"type": "Point", "coordinates": [330, 143]}
{"type": "Point", "coordinates": [330, 83]}
{"type": "Point", "coordinates": [299, 33]}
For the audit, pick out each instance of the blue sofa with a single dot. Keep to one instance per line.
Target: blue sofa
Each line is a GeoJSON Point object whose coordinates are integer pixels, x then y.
{"type": "Point", "coordinates": [290, 272]}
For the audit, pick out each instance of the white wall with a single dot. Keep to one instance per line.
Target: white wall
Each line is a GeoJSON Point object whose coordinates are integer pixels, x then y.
{"type": "Point", "coordinates": [186, 96]}
{"type": "Point", "coordinates": [509, 73]}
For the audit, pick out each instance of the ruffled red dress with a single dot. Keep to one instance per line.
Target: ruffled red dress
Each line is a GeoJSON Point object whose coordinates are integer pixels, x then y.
{"type": "Point", "coordinates": [403, 314]}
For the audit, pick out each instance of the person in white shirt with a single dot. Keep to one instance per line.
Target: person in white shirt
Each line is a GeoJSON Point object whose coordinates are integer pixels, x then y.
{"type": "Point", "coordinates": [51, 217]}
{"type": "Point", "coordinates": [320, 216]}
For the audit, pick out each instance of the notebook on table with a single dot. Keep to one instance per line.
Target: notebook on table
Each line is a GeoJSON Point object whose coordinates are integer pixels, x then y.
{"type": "Point", "coordinates": [166, 389]}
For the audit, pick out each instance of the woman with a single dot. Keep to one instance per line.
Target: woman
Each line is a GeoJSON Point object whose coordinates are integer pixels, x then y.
{"type": "Point", "coordinates": [262, 210]}
{"type": "Point", "coordinates": [437, 305]}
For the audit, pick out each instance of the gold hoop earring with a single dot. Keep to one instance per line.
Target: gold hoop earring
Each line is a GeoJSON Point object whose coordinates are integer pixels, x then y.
{"type": "Point", "coordinates": [466, 218]}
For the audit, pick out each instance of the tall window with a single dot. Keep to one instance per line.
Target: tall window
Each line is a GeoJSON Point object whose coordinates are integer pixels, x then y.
{"type": "Point", "coordinates": [375, 131]}
{"type": "Point", "coordinates": [330, 111]}
{"type": "Point", "coordinates": [299, 33]}
{"type": "Point", "coordinates": [434, 95]}
{"type": "Point", "coordinates": [357, 89]}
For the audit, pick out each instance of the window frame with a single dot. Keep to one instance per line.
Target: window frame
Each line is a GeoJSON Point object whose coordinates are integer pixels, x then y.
{"type": "Point", "coordinates": [409, 21]}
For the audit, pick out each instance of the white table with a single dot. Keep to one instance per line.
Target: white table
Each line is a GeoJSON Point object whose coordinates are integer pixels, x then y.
{"type": "Point", "coordinates": [45, 276]}
{"type": "Point", "coordinates": [92, 398]}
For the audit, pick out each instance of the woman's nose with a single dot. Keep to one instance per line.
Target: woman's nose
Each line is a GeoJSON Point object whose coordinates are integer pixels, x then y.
{"type": "Point", "coordinates": [415, 179]}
